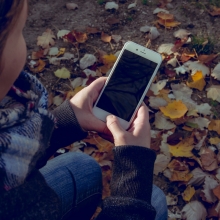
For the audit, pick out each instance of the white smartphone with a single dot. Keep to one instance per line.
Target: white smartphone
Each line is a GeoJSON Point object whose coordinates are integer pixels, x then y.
{"type": "Point", "coordinates": [127, 84]}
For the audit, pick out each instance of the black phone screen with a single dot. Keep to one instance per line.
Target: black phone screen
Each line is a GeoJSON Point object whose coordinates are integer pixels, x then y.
{"type": "Point", "coordinates": [126, 85]}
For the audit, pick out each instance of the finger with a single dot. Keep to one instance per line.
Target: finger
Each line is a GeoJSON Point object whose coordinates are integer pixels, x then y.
{"type": "Point", "coordinates": [114, 126]}
{"type": "Point", "coordinates": [96, 87]}
{"type": "Point", "coordinates": [143, 113]}
{"type": "Point", "coordinates": [97, 124]}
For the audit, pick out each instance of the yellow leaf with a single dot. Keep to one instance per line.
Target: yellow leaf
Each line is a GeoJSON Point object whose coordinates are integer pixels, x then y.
{"type": "Point", "coordinates": [39, 68]}
{"type": "Point", "coordinates": [188, 193]}
{"type": "Point", "coordinates": [181, 176]}
{"type": "Point", "coordinates": [214, 126]}
{"type": "Point", "coordinates": [106, 38]}
{"type": "Point", "coordinates": [175, 109]}
{"type": "Point", "coordinates": [214, 140]}
{"type": "Point", "coordinates": [168, 24]}
{"type": "Point", "coordinates": [183, 148]}
{"type": "Point", "coordinates": [165, 16]}
{"type": "Point", "coordinates": [198, 81]}
{"type": "Point", "coordinates": [109, 59]}
{"type": "Point", "coordinates": [70, 94]}
{"type": "Point", "coordinates": [61, 51]}
{"type": "Point", "coordinates": [62, 73]}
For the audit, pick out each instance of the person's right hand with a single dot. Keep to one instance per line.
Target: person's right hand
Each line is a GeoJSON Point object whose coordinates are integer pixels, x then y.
{"type": "Point", "coordinates": [139, 132]}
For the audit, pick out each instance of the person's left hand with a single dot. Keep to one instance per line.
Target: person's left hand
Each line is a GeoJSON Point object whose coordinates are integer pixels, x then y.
{"type": "Point", "coordinates": [82, 104]}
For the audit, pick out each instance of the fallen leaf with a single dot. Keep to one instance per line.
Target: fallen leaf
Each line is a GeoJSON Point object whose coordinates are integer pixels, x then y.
{"type": "Point", "coordinates": [61, 51]}
{"type": "Point", "coordinates": [214, 11]}
{"type": "Point", "coordinates": [153, 33]}
{"type": "Point", "coordinates": [184, 176]}
{"type": "Point", "coordinates": [197, 66]}
{"type": "Point", "coordinates": [157, 10]}
{"type": "Point", "coordinates": [58, 100]}
{"type": "Point", "coordinates": [194, 211]}
{"type": "Point", "coordinates": [62, 73]}
{"type": "Point", "coordinates": [200, 138]}
{"type": "Point", "coordinates": [181, 33]}
{"type": "Point", "coordinates": [188, 193]}
{"type": "Point", "coordinates": [47, 39]}
{"type": "Point", "coordinates": [201, 122]}
{"type": "Point", "coordinates": [133, 5]}
{"type": "Point", "coordinates": [181, 70]}
{"type": "Point", "coordinates": [204, 109]}
{"type": "Point", "coordinates": [87, 60]}
{"type": "Point", "coordinates": [174, 109]}
{"type": "Point", "coordinates": [111, 5]}
{"type": "Point", "coordinates": [156, 102]}
{"type": "Point", "coordinates": [77, 82]}
{"type": "Point", "coordinates": [198, 177]}
{"type": "Point", "coordinates": [156, 87]}
{"type": "Point", "coordinates": [165, 16]}
{"type": "Point", "coordinates": [116, 38]}
{"type": "Point", "coordinates": [170, 73]}
{"type": "Point", "coordinates": [209, 160]}
{"type": "Point", "coordinates": [198, 81]}
{"type": "Point", "coordinates": [161, 122]}
{"type": "Point", "coordinates": [216, 191]}
{"type": "Point", "coordinates": [213, 92]}
{"type": "Point", "coordinates": [62, 33]}
{"type": "Point", "coordinates": [109, 60]}
{"type": "Point", "coordinates": [171, 199]}
{"type": "Point", "coordinates": [165, 49]}
{"type": "Point", "coordinates": [183, 149]}
{"type": "Point", "coordinates": [145, 28]}
{"type": "Point", "coordinates": [207, 58]}
{"type": "Point", "coordinates": [214, 126]}
{"type": "Point", "coordinates": [161, 163]}
{"type": "Point", "coordinates": [187, 56]}
{"type": "Point", "coordinates": [173, 62]}
{"type": "Point", "coordinates": [175, 138]}
{"type": "Point", "coordinates": [92, 30]}
{"type": "Point", "coordinates": [71, 6]}
{"type": "Point", "coordinates": [37, 55]}
{"type": "Point", "coordinates": [53, 51]}
{"type": "Point", "coordinates": [215, 140]}
{"type": "Point", "coordinates": [208, 186]}
{"type": "Point", "coordinates": [80, 37]}
{"type": "Point", "coordinates": [105, 38]}
{"type": "Point", "coordinates": [216, 72]}
{"type": "Point", "coordinates": [39, 67]}
{"type": "Point", "coordinates": [70, 94]}
{"type": "Point", "coordinates": [168, 24]}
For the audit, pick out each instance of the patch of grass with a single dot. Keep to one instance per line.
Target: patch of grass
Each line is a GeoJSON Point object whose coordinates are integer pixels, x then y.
{"type": "Point", "coordinates": [101, 2]}
{"type": "Point", "coordinates": [213, 103]}
{"type": "Point", "coordinates": [200, 45]}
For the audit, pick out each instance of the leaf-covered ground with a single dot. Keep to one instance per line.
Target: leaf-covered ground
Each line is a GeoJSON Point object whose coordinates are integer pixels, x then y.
{"type": "Point", "coordinates": [70, 44]}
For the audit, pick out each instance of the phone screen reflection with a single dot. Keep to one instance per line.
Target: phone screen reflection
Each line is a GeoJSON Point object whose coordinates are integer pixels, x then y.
{"type": "Point", "coordinates": [126, 86]}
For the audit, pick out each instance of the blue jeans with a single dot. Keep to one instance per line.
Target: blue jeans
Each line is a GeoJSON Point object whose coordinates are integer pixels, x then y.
{"type": "Point", "coordinates": [77, 180]}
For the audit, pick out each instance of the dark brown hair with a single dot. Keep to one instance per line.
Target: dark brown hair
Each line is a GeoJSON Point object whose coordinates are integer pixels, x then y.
{"type": "Point", "coordinates": [9, 13]}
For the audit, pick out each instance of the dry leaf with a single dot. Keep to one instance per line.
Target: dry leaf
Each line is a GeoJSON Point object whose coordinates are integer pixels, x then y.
{"type": "Point", "coordinates": [116, 38]}
{"type": "Point", "coordinates": [157, 10]}
{"type": "Point", "coordinates": [62, 73]}
{"type": "Point", "coordinates": [153, 33]}
{"type": "Point", "coordinates": [161, 122]}
{"type": "Point", "coordinates": [207, 58]}
{"type": "Point", "coordinates": [156, 87]}
{"type": "Point", "coordinates": [38, 67]}
{"type": "Point", "coordinates": [165, 16]}
{"type": "Point", "coordinates": [201, 122]}
{"type": "Point", "coordinates": [87, 60]}
{"type": "Point", "coordinates": [194, 211]}
{"type": "Point", "coordinates": [216, 191]}
{"type": "Point", "coordinates": [165, 49]}
{"type": "Point", "coordinates": [70, 94]}
{"type": "Point", "coordinates": [215, 126]}
{"type": "Point", "coordinates": [92, 30]}
{"type": "Point", "coordinates": [77, 82]}
{"type": "Point", "coordinates": [145, 28]}
{"type": "Point", "coordinates": [106, 38]}
{"type": "Point", "coordinates": [47, 39]}
{"type": "Point", "coordinates": [214, 92]}
{"type": "Point", "coordinates": [198, 177]}
{"type": "Point", "coordinates": [198, 81]}
{"type": "Point", "coordinates": [208, 186]}
{"type": "Point", "coordinates": [184, 176]}
{"type": "Point", "coordinates": [197, 66]}
{"type": "Point", "coordinates": [181, 33]}
{"type": "Point", "coordinates": [174, 109]}
{"type": "Point", "coordinates": [80, 37]}
{"type": "Point", "coordinates": [53, 51]}
{"type": "Point", "coordinates": [215, 140]}
{"type": "Point", "coordinates": [112, 21]}
{"type": "Point", "coordinates": [71, 6]}
{"type": "Point", "coordinates": [181, 70]}
{"type": "Point", "coordinates": [183, 149]}
{"type": "Point", "coordinates": [58, 100]}
{"type": "Point", "coordinates": [37, 55]}
{"type": "Point", "coordinates": [216, 72]}
{"type": "Point", "coordinates": [188, 193]}
{"type": "Point", "coordinates": [111, 5]}
{"type": "Point", "coordinates": [171, 199]}
{"type": "Point", "coordinates": [109, 60]}
{"type": "Point", "coordinates": [168, 24]}
{"type": "Point", "coordinates": [204, 109]}
{"type": "Point", "coordinates": [209, 160]}
{"type": "Point", "coordinates": [161, 163]}
{"type": "Point", "coordinates": [156, 102]}
{"type": "Point", "coordinates": [214, 11]}
{"type": "Point", "coordinates": [62, 33]}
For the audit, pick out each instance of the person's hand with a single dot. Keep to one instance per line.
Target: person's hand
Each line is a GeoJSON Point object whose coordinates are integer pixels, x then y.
{"type": "Point", "coordinates": [82, 104]}
{"type": "Point", "coordinates": [139, 132]}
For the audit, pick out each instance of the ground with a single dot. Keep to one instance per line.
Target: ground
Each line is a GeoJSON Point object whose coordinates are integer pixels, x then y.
{"type": "Point", "coordinates": [45, 14]}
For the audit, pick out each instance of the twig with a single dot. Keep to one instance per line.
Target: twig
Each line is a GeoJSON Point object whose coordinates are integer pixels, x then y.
{"type": "Point", "coordinates": [111, 46]}
{"type": "Point", "coordinates": [196, 53]}
{"type": "Point", "coordinates": [148, 43]}
{"type": "Point", "coordinates": [77, 50]}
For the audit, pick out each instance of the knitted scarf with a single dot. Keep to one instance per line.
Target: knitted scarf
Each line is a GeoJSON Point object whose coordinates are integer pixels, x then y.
{"type": "Point", "coordinates": [25, 129]}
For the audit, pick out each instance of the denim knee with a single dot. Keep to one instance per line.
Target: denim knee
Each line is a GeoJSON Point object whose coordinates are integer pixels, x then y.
{"type": "Point", "coordinates": [158, 201]}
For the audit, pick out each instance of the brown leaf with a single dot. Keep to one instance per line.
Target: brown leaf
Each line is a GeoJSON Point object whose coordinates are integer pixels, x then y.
{"type": "Point", "coordinates": [37, 55]}
{"type": "Point", "coordinates": [165, 16]}
{"type": "Point", "coordinates": [106, 38]}
{"type": "Point", "coordinates": [156, 142]}
{"type": "Point", "coordinates": [207, 58]}
{"type": "Point", "coordinates": [80, 37]}
{"type": "Point", "coordinates": [215, 11]}
{"type": "Point", "coordinates": [167, 23]}
{"type": "Point", "coordinates": [69, 38]}
{"type": "Point", "coordinates": [216, 191]}
{"type": "Point", "coordinates": [112, 21]}
{"type": "Point", "coordinates": [175, 138]}
{"type": "Point", "coordinates": [39, 67]}
{"type": "Point", "coordinates": [209, 160]}
{"type": "Point", "coordinates": [178, 165]}
{"type": "Point", "coordinates": [186, 56]}
{"type": "Point", "coordinates": [170, 73]}
{"type": "Point", "coordinates": [91, 30]}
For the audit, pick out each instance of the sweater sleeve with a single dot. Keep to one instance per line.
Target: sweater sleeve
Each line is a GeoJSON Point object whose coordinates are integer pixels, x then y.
{"type": "Point", "coordinates": [67, 129]}
{"type": "Point", "coordinates": [131, 185]}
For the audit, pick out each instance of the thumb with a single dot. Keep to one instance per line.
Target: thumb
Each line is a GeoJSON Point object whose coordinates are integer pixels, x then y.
{"type": "Point", "coordinates": [114, 126]}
